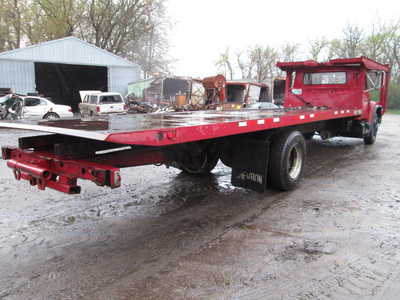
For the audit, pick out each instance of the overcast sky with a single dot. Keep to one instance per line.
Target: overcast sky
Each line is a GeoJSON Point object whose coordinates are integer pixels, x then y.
{"type": "Point", "coordinates": [204, 28]}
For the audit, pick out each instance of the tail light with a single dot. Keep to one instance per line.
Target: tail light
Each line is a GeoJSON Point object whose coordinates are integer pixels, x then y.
{"type": "Point", "coordinates": [126, 106]}
{"type": "Point", "coordinates": [70, 109]}
{"type": "Point", "coordinates": [98, 108]}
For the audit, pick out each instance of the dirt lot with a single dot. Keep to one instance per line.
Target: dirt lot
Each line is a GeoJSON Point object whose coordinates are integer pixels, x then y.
{"type": "Point", "coordinates": [164, 235]}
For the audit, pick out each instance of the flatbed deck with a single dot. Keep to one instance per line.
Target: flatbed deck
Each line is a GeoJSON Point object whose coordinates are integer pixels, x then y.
{"type": "Point", "coordinates": [180, 127]}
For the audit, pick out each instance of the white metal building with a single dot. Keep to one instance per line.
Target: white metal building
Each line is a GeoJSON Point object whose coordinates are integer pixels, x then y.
{"type": "Point", "coordinates": [60, 68]}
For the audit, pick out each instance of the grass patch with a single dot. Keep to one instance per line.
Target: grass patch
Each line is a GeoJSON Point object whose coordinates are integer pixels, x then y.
{"type": "Point", "coordinates": [394, 111]}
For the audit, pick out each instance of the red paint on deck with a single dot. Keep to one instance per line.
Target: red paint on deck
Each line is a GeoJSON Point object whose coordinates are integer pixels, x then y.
{"type": "Point", "coordinates": [215, 127]}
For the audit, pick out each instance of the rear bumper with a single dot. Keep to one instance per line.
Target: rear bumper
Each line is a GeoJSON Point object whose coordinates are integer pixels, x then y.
{"type": "Point", "coordinates": [67, 114]}
{"type": "Point", "coordinates": [44, 169]}
{"type": "Point", "coordinates": [112, 113]}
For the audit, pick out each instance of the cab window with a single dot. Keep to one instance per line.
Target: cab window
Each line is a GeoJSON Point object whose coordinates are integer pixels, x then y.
{"type": "Point", "coordinates": [324, 78]}
{"type": "Point", "coordinates": [373, 84]}
{"type": "Point", "coordinates": [373, 80]}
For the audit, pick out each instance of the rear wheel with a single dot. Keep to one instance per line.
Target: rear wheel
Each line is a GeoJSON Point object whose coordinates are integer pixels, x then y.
{"type": "Point", "coordinates": [200, 165]}
{"type": "Point", "coordinates": [287, 158]}
{"type": "Point", "coordinates": [198, 158]}
{"type": "Point", "coordinates": [51, 116]}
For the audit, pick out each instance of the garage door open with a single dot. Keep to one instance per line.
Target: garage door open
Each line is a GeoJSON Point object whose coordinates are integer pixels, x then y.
{"type": "Point", "coordinates": [62, 82]}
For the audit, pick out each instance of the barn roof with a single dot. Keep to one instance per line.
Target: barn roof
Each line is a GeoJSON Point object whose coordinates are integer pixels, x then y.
{"type": "Point", "coordinates": [68, 50]}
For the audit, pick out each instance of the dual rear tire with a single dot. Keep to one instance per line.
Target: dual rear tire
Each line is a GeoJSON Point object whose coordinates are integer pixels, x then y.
{"type": "Point", "coordinates": [287, 160]}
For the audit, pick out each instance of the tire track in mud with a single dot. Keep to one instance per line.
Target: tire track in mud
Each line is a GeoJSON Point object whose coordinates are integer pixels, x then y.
{"type": "Point", "coordinates": [360, 278]}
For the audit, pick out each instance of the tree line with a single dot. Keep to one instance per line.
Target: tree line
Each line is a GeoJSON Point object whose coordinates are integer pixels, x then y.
{"type": "Point", "coordinates": [133, 29]}
{"type": "Point", "coordinates": [381, 43]}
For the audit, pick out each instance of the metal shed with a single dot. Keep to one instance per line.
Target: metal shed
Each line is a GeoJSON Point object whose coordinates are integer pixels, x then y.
{"type": "Point", "coordinates": [60, 68]}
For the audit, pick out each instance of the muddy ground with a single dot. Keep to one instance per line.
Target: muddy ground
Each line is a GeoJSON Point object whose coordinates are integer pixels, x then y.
{"type": "Point", "coordinates": [164, 235]}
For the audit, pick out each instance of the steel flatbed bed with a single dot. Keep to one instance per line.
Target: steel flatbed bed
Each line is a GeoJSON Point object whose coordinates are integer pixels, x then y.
{"type": "Point", "coordinates": [182, 127]}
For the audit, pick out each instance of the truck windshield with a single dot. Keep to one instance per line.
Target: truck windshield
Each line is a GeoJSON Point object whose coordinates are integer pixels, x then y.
{"type": "Point", "coordinates": [110, 99]}
{"type": "Point", "coordinates": [325, 78]}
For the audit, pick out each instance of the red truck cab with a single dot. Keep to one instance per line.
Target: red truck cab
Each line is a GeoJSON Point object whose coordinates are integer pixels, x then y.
{"type": "Point", "coordinates": [338, 84]}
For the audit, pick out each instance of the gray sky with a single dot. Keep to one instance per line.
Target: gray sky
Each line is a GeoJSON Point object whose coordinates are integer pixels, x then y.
{"type": "Point", "coordinates": [204, 28]}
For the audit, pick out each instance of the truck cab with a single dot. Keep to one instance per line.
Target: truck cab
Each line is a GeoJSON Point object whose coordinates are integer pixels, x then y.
{"type": "Point", "coordinates": [342, 85]}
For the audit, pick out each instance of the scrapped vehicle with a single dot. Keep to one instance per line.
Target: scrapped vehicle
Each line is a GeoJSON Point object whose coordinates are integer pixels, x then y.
{"type": "Point", "coordinates": [35, 107]}
{"type": "Point", "coordinates": [141, 107]}
{"type": "Point", "coordinates": [161, 91]}
{"type": "Point", "coordinates": [233, 95]}
{"type": "Point", "coordinates": [11, 107]}
{"type": "Point", "coordinates": [95, 103]}
{"type": "Point", "coordinates": [265, 148]}
{"type": "Point", "coordinates": [278, 90]}
{"type": "Point", "coordinates": [5, 91]}
{"type": "Point", "coordinates": [243, 93]}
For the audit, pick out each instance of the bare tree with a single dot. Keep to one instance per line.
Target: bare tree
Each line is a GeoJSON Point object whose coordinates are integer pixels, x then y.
{"type": "Point", "coordinates": [134, 29]}
{"type": "Point", "coordinates": [11, 31]}
{"type": "Point", "coordinates": [289, 52]}
{"type": "Point", "coordinates": [224, 64]}
{"type": "Point", "coordinates": [257, 63]}
{"type": "Point", "coordinates": [353, 37]}
{"type": "Point", "coordinates": [50, 19]}
{"type": "Point", "coordinates": [374, 43]}
{"type": "Point", "coordinates": [245, 65]}
{"type": "Point", "coordinates": [264, 60]}
{"type": "Point", "coordinates": [317, 47]}
{"type": "Point", "coordinates": [350, 45]}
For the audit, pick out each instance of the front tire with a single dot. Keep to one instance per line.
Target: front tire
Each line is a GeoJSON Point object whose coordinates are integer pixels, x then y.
{"type": "Point", "coordinates": [287, 159]}
{"type": "Point", "coordinates": [370, 138]}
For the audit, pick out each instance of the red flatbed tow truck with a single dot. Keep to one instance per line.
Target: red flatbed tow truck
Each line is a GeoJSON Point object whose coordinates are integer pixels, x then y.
{"type": "Point", "coordinates": [264, 148]}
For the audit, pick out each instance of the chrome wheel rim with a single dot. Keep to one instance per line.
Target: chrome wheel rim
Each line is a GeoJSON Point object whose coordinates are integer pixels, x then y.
{"type": "Point", "coordinates": [295, 162]}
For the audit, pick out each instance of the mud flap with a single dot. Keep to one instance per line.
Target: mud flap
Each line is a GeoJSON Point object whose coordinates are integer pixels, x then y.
{"type": "Point", "coordinates": [250, 164]}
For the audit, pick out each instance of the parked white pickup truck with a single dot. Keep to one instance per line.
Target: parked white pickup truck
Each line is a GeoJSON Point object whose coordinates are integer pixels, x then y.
{"type": "Point", "coordinates": [95, 103]}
